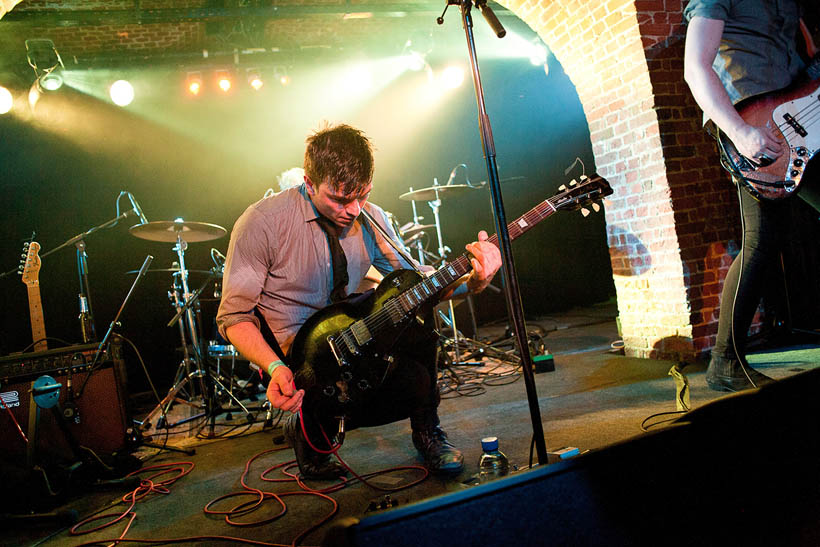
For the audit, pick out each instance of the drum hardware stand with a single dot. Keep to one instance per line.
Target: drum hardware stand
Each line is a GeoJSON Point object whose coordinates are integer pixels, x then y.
{"type": "Point", "coordinates": [185, 372]}
{"type": "Point", "coordinates": [208, 382]}
{"type": "Point", "coordinates": [510, 276]}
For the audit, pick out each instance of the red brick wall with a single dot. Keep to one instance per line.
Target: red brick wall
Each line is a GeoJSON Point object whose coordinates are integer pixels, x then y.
{"type": "Point", "coordinates": [672, 211]}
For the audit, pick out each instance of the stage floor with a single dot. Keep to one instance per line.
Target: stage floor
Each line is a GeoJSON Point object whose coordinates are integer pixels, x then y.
{"type": "Point", "coordinates": [594, 398]}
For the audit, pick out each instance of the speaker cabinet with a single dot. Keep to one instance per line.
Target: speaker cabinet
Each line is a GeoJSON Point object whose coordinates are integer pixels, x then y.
{"type": "Point", "coordinates": [742, 470]}
{"type": "Point", "coordinates": [99, 422]}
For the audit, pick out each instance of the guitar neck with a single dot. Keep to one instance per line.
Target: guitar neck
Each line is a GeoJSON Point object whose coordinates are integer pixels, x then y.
{"type": "Point", "coordinates": [35, 309]}
{"type": "Point", "coordinates": [459, 267]}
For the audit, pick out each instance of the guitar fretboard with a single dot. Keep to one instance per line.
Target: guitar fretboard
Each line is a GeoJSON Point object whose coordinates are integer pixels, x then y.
{"type": "Point", "coordinates": [432, 285]}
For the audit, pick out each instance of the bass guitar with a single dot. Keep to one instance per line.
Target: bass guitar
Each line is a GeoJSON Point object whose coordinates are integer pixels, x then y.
{"type": "Point", "coordinates": [794, 115]}
{"type": "Point", "coordinates": [30, 270]}
{"type": "Point", "coordinates": [345, 350]}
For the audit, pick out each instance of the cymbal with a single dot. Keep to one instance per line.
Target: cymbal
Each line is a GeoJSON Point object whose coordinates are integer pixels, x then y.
{"type": "Point", "coordinates": [174, 270]}
{"type": "Point", "coordinates": [416, 228]}
{"type": "Point", "coordinates": [429, 193]}
{"type": "Point", "coordinates": [167, 231]}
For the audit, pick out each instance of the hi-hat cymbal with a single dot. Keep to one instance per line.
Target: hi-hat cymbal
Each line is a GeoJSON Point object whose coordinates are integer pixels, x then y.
{"type": "Point", "coordinates": [416, 227]}
{"type": "Point", "coordinates": [429, 193]}
{"type": "Point", "coordinates": [168, 230]}
{"type": "Point", "coordinates": [175, 270]}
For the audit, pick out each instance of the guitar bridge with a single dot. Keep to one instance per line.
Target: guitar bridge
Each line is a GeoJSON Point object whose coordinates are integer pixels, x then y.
{"type": "Point", "coordinates": [337, 354]}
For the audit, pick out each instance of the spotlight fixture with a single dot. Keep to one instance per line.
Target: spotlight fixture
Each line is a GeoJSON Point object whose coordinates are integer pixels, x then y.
{"type": "Point", "coordinates": [281, 75]}
{"type": "Point", "coordinates": [255, 79]}
{"type": "Point", "coordinates": [193, 83]}
{"type": "Point", "coordinates": [416, 49]}
{"type": "Point", "coordinates": [223, 80]}
{"type": "Point", "coordinates": [121, 92]}
{"type": "Point", "coordinates": [6, 100]}
{"type": "Point", "coordinates": [42, 56]}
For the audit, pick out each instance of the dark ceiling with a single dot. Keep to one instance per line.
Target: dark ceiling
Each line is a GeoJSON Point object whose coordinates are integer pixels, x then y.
{"type": "Point", "coordinates": [95, 34]}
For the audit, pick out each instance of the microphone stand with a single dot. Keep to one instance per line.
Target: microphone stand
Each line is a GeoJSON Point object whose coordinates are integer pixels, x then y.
{"type": "Point", "coordinates": [511, 287]}
{"type": "Point", "coordinates": [87, 328]}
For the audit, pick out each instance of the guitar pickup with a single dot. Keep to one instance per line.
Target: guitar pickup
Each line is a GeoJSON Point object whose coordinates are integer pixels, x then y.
{"type": "Point", "coordinates": [361, 333]}
{"type": "Point", "coordinates": [799, 129]}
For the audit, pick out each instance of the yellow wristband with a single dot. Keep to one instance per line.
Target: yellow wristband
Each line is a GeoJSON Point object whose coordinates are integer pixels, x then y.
{"type": "Point", "coordinates": [274, 365]}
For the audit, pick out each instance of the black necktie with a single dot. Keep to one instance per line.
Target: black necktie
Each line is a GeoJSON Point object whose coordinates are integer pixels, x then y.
{"type": "Point", "coordinates": [337, 256]}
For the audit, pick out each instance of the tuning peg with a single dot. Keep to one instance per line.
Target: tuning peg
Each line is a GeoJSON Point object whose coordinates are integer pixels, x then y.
{"type": "Point", "coordinates": [573, 182]}
{"type": "Point", "coordinates": [596, 207]}
{"type": "Point", "coordinates": [584, 211]}
{"type": "Point", "coordinates": [584, 177]}
{"type": "Point", "coordinates": [563, 188]}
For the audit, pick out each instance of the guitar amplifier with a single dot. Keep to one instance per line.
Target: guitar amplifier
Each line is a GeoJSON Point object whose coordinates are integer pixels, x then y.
{"type": "Point", "coordinates": [100, 420]}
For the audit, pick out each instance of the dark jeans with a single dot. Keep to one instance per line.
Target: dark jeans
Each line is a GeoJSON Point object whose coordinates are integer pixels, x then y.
{"type": "Point", "coordinates": [766, 226]}
{"type": "Point", "coordinates": [410, 390]}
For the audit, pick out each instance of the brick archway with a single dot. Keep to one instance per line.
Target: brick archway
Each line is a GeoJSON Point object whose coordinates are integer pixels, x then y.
{"type": "Point", "coordinates": [625, 58]}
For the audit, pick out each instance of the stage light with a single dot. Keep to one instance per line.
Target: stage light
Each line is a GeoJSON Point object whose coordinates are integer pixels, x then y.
{"type": "Point", "coordinates": [6, 100]}
{"type": "Point", "coordinates": [452, 77]}
{"type": "Point", "coordinates": [193, 83]}
{"type": "Point", "coordinates": [281, 74]}
{"type": "Point", "coordinates": [414, 61]}
{"type": "Point", "coordinates": [42, 56]}
{"type": "Point", "coordinates": [223, 80]}
{"type": "Point", "coordinates": [255, 79]}
{"type": "Point", "coordinates": [121, 92]}
{"type": "Point", "coordinates": [52, 81]}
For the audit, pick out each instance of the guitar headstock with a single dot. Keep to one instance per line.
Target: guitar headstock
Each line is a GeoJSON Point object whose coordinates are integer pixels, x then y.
{"type": "Point", "coordinates": [30, 264]}
{"type": "Point", "coordinates": [579, 194]}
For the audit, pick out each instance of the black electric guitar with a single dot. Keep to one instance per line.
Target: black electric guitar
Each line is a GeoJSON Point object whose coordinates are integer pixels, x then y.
{"type": "Point", "coordinates": [794, 115]}
{"type": "Point", "coordinates": [344, 351]}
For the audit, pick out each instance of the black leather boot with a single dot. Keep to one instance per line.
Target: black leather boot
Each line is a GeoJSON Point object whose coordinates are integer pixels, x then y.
{"type": "Point", "coordinates": [726, 374]}
{"type": "Point", "coordinates": [312, 464]}
{"type": "Point", "coordinates": [440, 456]}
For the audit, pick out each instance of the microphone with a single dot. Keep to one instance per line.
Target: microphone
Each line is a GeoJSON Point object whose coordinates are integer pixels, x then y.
{"type": "Point", "coordinates": [137, 209]}
{"type": "Point", "coordinates": [491, 19]}
{"type": "Point", "coordinates": [453, 172]}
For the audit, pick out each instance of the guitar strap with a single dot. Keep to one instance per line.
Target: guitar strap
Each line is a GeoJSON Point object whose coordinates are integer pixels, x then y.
{"type": "Point", "coordinates": [269, 337]}
{"type": "Point", "coordinates": [401, 252]}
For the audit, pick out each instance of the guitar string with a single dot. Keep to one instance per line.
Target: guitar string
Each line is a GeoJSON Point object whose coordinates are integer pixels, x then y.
{"type": "Point", "coordinates": [377, 320]}
{"type": "Point", "coordinates": [800, 117]}
{"type": "Point", "coordinates": [805, 121]}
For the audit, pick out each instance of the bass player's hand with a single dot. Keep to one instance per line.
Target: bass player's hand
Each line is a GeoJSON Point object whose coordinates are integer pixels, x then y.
{"type": "Point", "coordinates": [759, 144]}
{"type": "Point", "coordinates": [282, 392]}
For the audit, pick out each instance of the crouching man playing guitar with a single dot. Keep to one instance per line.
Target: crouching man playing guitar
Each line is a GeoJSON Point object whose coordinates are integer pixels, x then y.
{"type": "Point", "coordinates": [746, 70]}
{"type": "Point", "coordinates": [337, 362]}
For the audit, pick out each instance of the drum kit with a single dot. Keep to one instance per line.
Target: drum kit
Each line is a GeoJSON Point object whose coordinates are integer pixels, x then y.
{"type": "Point", "coordinates": [199, 373]}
